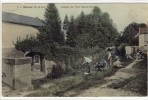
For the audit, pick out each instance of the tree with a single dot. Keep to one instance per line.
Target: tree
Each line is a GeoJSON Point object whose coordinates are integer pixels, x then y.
{"type": "Point", "coordinates": [130, 32]}
{"type": "Point", "coordinates": [51, 31]}
{"type": "Point", "coordinates": [65, 23]}
{"type": "Point", "coordinates": [97, 11]}
{"type": "Point", "coordinates": [71, 34]}
{"type": "Point", "coordinates": [103, 27]}
{"type": "Point", "coordinates": [50, 34]}
{"type": "Point", "coordinates": [81, 23]}
{"type": "Point", "coordinates": [65, 26]}
{"type": "Point", "coordinates": [97, 28]}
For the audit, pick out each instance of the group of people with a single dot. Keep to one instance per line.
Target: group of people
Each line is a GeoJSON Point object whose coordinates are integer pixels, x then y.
{"type": "Point", "coordinates": [106, 62]}
{"type": "Point", "coordinates": [134, 53]}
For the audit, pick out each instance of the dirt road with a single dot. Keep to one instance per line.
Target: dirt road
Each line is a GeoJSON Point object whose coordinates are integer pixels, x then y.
{"type": "Point", "coordinates": [103, 90]}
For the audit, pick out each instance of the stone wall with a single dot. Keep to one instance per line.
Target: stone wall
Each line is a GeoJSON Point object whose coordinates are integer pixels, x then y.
{"type": "Point", "coordinates": [16, 72]}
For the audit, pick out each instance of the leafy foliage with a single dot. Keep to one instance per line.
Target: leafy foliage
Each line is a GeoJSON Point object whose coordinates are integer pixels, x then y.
{"type": "Point", "coordinates": [128, 38]}
{"type": "Point", "coordinates": [66, 22]}
{"type": "Point", "coordinates": [31, 43]}
{"type": "Point", "coordinates": [53, 23]}
{"type": "Point", "coordinates": [69, 55]}
{"type": "Point", "coordinates": [95, 29]}
{"type": "Point", "coordinates": [120, 50]}
{"type": "Point", "coordinates": [51, 31]}
{"type": "Point", "coordinates": [129, 34]}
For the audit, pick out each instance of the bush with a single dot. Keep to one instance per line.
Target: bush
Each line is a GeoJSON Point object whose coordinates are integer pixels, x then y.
{"type": "Point", "coordinates": [31, 43]}
{"type": "Point", "coordinates": [58, 71]}
{"type": "Point", "coordinates": [26, 44]}
{"type": "Point", "coordinates": [120, 50]}
{"type": "Point", "coordinates": [90, 51]}
{"type": "Point", "coordinates": [71, 56]}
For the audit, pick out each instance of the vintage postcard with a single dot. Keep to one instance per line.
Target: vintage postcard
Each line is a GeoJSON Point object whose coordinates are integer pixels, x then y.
{"type": "Point", "coordinates": [74, 50]}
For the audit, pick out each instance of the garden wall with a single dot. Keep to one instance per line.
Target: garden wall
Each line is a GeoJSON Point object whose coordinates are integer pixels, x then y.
{"type": "Point", "coordinates": [16, 72]}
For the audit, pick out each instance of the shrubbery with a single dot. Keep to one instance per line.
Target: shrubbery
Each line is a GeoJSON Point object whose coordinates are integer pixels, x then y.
{"type": "Point", "coordinates": [71, 56]}
{"type": "Point", "coordinates": [31, 43]}
{"type": "Point", "coordinates": [120, 50]}
{"type": "Point", "coordinates": [90, 51]}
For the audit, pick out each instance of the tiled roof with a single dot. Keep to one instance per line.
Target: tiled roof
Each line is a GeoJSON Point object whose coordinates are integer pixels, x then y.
{"type": "Point", "coordinates": [143, 30]}
{"type": "Point", "coordinates": [20, 19]}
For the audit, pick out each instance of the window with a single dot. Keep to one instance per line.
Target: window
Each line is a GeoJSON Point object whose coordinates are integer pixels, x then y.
{"type": "Point", "coordinates": [36, 59]}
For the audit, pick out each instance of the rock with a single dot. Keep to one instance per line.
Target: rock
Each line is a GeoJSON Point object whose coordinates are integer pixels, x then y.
{"type": "Point", "coordinates": [49, 66]}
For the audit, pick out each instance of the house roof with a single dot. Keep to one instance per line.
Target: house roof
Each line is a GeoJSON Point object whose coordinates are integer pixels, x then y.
{"type": "Point", "coordinates": [20, 19]}
{"type": "Point", "coordinates": [143, 30]}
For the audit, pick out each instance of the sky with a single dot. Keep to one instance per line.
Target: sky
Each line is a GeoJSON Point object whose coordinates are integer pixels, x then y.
{"type": "Point", "coordinates": [122, 14]}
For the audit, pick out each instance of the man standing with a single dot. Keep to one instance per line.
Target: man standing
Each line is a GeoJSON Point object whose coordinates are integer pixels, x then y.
{"type": "Point", "coordinates": [109, 58]}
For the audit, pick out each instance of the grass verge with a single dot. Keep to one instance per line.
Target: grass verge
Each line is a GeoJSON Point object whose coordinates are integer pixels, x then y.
{"type": "Point", "coordinates": [141, 65]}
{"type": "Point", "coordinates": [91, 80]}
{"type": "Point", "coordinates": [136, 83]}
{"type": "Point", "coordinates": [79, 82]}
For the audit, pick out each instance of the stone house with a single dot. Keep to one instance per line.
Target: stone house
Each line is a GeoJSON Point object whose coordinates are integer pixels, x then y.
{"type": "Point", "coordinates": [14, 26]}
{"type": "Point", "coordinates": [16, 65]}
{"type": "Point", "coordinates": [143, 39]}
{"type": "Point", "coordinates": [143, 42]}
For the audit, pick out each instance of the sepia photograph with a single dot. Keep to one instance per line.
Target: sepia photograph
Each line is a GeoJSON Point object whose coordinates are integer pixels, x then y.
{"type": "Point", "coordinates": [74, 49]}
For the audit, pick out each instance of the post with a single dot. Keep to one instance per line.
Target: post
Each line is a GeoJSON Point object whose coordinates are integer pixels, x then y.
{"type": "Point", "coordinates": [42, 64]}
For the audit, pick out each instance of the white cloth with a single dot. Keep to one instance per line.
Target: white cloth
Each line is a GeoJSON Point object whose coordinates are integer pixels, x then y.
{"type": "Point", "coordinates": [88, 59]}
{"type": "Point", "coordinates": [128, 49]}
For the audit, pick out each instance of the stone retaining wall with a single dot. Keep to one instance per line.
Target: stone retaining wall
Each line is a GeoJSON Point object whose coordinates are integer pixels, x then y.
{"type": "Point", "coordinates": [16, 72]}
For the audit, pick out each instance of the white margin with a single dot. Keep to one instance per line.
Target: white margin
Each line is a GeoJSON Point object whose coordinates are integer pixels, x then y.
{"type": "Point", "coordinates": [74, 1]}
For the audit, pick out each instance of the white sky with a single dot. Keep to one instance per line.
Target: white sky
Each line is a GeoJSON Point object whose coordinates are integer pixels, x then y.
{"type": "Point", "coordinates": [122, 14]}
